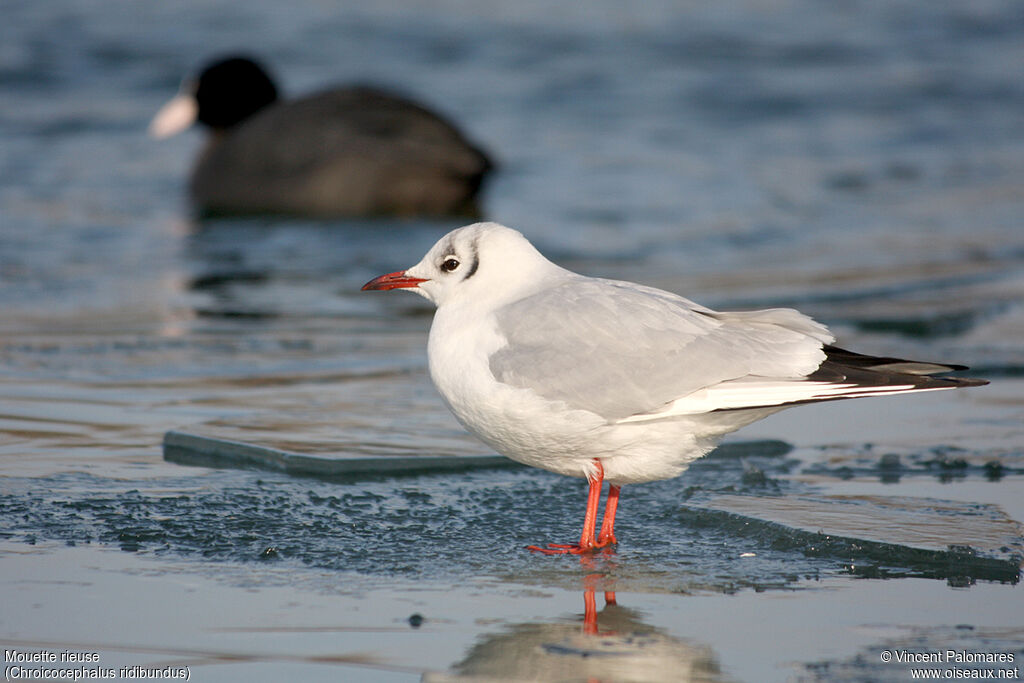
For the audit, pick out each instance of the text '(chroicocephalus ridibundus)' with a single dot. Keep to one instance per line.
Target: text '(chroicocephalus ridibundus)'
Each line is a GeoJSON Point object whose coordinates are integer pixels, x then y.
{"type": "Point", "coordinates": [613, 380]}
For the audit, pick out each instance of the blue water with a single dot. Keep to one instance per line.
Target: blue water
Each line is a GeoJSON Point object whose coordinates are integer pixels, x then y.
{"type": "Point", "coordinates": [863, 162]}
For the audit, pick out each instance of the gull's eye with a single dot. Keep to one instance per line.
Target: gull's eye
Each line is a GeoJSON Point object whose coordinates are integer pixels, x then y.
{"type": "Point", "coordinates": [449, 264]}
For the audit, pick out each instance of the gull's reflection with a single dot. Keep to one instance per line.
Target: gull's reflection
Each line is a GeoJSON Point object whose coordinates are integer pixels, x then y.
{"type": "Point", "coordinates": [613, 644]}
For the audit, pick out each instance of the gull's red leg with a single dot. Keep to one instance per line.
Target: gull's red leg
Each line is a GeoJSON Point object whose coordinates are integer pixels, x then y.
{"type": "Point", "coordinates": [607, 535]}
{"type": "Point", "coordinates": [590, 605]}
{"type": "Point", "coordinates": [589, 613]}
{"type": "Point", "coordinates": [586, 543]}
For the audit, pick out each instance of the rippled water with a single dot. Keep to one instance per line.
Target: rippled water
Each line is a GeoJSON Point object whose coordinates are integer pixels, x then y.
{"type": "Point", "coordinates": [862, 162]}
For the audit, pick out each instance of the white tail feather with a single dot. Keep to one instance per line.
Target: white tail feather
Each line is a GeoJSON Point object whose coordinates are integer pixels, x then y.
{"type": "Point", "coordinates": [738, 394]}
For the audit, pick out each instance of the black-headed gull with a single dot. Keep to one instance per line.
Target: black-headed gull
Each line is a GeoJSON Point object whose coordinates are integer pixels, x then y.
{"type": "Point", "coordinates": [612, 380]}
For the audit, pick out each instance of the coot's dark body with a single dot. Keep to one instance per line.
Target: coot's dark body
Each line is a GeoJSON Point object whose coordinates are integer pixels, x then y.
{"type": "Point", "coordinates": [352, 151]}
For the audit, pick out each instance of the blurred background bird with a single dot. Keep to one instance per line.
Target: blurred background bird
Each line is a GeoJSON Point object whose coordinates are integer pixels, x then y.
{"type": "Point", "coordinates": [347, 151]}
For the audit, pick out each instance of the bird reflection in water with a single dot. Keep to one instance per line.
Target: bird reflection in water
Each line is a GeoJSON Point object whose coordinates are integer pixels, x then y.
{"type": "Point", "coordinates": [613, 644]}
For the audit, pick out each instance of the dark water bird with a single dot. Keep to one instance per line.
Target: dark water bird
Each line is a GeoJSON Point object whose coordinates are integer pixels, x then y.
{"type": "Point", "coordinates": [611, 380]}
{"type": "Point", "coordinates": [348, 151]}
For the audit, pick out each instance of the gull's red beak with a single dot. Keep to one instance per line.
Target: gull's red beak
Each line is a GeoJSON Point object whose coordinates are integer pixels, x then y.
{"type": "Point", "coordinates": [396, 280]}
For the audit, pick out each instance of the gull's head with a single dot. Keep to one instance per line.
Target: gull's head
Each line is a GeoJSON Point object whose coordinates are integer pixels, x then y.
{"type": "Point", "coordinates": [483, 261]}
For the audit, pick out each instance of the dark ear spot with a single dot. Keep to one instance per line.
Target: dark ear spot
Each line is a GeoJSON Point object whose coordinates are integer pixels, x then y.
{"type": "Point", "coordinates": [474, 262]}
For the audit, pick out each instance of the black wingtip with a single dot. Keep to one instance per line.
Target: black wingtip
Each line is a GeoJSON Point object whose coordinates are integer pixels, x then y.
{"type": "Point", "coordinates": [887, 364]}
{"type": "Point", "coordinates": [847, 366]}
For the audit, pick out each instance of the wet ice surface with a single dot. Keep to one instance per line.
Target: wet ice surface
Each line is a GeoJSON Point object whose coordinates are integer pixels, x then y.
{"type": "Point", "coordinates": [863, 164]}
{"type": "Point", "coordinates": [226, 621]}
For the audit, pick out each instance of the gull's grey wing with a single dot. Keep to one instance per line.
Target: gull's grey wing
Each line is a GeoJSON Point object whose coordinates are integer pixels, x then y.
{"type": "Point", "coordinates": [619, 349]}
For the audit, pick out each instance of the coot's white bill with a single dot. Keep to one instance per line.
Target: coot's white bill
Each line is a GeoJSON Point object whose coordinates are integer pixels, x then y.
{"type": "Point", "coordinates": [179, 113]}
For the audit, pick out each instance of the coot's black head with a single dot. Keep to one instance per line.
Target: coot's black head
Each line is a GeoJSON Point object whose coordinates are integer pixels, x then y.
{"type": "Point", "coordinates": [230, 90]}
